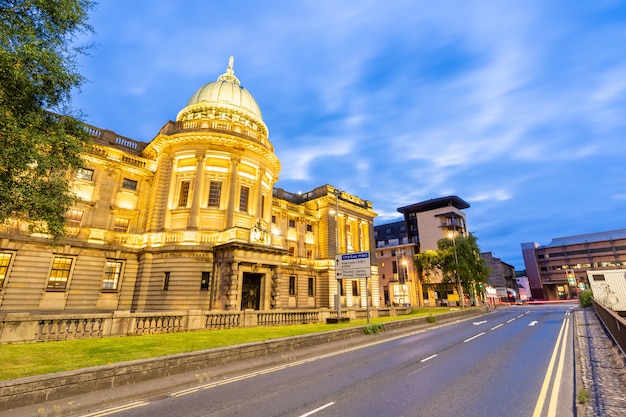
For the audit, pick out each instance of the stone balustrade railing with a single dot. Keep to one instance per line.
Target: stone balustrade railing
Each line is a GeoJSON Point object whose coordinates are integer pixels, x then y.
{"type": "Point", "coordinates": [26, 327]}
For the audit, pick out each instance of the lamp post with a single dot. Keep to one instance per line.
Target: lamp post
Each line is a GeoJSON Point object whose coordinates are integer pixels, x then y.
{"type": "Point", "coordinates": [404, 281]}
{"type": "Point", "coordinates": [337, 193]}
{"type": "Point", "coordinates": [456, 270]}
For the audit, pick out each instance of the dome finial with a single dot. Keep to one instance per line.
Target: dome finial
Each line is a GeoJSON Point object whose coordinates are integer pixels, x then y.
{"type": "Point", "coordinates": [229, 75]}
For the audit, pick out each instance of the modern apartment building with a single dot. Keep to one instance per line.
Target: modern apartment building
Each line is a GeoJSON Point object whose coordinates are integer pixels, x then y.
{"type": "Point", "coordinates": [423, 225]}
{"type": "Point", "coordinates": [191, 220]}
{"type": "Point", "coordinates": [556, 270]}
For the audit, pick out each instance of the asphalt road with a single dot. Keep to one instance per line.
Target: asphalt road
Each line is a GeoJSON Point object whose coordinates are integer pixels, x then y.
{"type": "Point", "coordinates": [514, 362]}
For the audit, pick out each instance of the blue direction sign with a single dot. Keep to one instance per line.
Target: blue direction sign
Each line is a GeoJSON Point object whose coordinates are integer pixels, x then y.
{"type": "Point", "coordinates": [353, 265]}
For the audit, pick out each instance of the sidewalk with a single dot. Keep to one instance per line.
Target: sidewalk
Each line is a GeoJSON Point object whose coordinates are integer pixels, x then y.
{"type": "Point", "coordinates": [601, 368]}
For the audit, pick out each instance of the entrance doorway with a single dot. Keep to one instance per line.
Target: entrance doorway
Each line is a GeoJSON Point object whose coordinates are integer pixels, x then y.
{"type": "Point", "coordinates": [251, 291]}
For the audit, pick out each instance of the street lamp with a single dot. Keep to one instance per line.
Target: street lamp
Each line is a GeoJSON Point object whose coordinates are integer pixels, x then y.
{"type": "Point", "coordinates": [459, 289]}
{"type": "Point", "coordinates": [337, 193]}
{"type": "Point", "coordinates": [404, 281]}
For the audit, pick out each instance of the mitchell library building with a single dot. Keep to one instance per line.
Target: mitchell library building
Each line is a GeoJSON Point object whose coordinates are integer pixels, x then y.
{"type": "Point", "coordinates": [191, 220]}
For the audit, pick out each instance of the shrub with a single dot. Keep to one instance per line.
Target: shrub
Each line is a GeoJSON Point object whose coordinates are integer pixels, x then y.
{"type": "Point", "coordinates": [373, 328]}
{"type": "Point", "coordinates": [584, 298]}
{"type": "Point", "coordinates": [583, 396]}
{"type": "Point", "coordinates": [431, 319]}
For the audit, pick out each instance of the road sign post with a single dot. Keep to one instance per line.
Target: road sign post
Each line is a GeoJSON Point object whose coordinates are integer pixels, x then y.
{"type": "Point", "coordinates": [355, 266]}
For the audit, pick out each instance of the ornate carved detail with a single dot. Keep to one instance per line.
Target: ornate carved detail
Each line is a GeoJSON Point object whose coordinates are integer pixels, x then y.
{"type": "Point", "coordinates": [259, 233]}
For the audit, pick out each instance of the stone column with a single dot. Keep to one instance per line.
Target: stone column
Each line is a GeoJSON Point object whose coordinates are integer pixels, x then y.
{"type": "Point", "coordinates": [233, 290]}
{"type": "Point", "coordinates": [159, 196]}
{"type": "Point", "coordinates": [104, 196]}
{"type": "Point", "coordinates": [276, 274]}
{"type": "Point", "coordinates": [194, 215]}
{"type": "Point", "coordinates": [259, 193]}
{"type": "Point", "coordinates": [232, 193]}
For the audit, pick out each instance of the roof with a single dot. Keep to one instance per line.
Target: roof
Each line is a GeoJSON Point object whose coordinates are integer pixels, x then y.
{"type": "Point", "coordinates": [435, 203]}
{"type": "Point", "coordinates": [591, 237]}
{"type": "Point", "coordinates": [225, 92]}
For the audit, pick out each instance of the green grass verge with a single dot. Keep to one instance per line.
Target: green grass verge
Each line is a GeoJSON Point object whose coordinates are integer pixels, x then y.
{"type": "Point", "coordinates": [28, 359]}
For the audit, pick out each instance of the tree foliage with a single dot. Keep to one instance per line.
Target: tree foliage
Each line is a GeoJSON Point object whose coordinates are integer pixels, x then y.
{"type": "Point", "coordinates": [472, 268]}
{"type": "Point", "coordinates": [41, 140]}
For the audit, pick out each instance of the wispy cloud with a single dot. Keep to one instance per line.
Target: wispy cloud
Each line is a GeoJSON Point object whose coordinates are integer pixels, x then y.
{"type": "Point", "coordinates": [514, 107]}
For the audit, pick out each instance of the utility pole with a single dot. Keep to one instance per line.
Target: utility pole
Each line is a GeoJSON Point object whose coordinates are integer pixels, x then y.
{"type": "Point", "coordinates": [337, 193]}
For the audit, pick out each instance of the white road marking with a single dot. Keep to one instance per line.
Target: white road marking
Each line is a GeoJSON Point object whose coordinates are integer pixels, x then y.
{"type": "Point", "coordinates": [114, 410]}
{"type": "Point", "coordinates": [428, 358]}
{"type": "Point", "coordinates": [317, 409]}
{"type": "Point", "coordinates": [473, 337]}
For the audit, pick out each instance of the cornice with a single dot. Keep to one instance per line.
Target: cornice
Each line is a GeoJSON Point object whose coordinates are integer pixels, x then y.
{"type": "Point", "coordinates": [219, 140]}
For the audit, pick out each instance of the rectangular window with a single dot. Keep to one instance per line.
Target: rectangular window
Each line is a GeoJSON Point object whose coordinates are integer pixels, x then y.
{"type": "Point", "coordinates": [292, 285]}
{"type": "Point", "coordinates": [204, 283]}
{"type": "Point", "coordinates": [598, 277]}
{"type": "Point", "coordinates": [309, 228]}
{"type": "Point", "coordinates": [215, 194]}
{"type": "Point", "coordinates": [355, 288]}
{"type": "Point", "coordinates": [129, 184]}
{"type": "Point", "coordinates": [74, 217]}
{"type": "Point", "coordinates": [311, 287]}
{"type": "Point", "coordinates": [121, 224]}
{"type": "Point", "coordinates": [183, 195]}
{"type": "Point", "coordinates": [5, 258]}
{"type": "Point", "coordinates": [292, 224]}
{"type": "Point", "coordinates": [112, 275]}
{"type": "Point", "coordinates": [273, 219]}
{"type": "Point", "coordinates": [243, 199]}
{"type": "Point", "coordinates": [166, 281]}
{"type": "Point", "coordinates": [262, 206]}
{"type": "Point", "coordinates": [84, 174]}
{"type": "Point", "coordinates": [309, 254]}
{"type": "Point", "coordinates": [60, 273]}
{"type": "Point", "coordinates": [292, 251]}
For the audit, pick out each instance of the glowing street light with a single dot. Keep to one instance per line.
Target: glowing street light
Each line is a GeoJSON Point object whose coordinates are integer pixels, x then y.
{"type": "Point", "coordinates": [459, 289]}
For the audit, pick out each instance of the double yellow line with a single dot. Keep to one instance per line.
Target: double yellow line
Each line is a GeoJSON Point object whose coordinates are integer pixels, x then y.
{"type": "Point", "coordinates": [561, 343]}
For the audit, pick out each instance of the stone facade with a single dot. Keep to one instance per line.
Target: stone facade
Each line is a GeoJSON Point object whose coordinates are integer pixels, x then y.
{"type": "Point", "coordinates": [190, 220]}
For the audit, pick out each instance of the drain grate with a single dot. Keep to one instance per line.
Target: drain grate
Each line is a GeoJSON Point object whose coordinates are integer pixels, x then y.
{"type": "Point", "coordinates": [157, 398]}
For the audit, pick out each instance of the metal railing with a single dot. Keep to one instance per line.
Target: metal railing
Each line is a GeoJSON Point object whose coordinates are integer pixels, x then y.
{"type": "Point", "coordinates": [614, 324]}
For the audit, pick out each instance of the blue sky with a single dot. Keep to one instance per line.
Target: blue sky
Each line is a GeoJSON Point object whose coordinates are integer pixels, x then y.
{"type": "Point", "coordinates": [516, 107]}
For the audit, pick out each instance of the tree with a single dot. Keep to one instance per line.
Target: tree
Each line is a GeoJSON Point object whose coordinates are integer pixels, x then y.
{"type": "Point", "coordinates": [41, 140]}
{"type": "Point", "coordinates": [459, 262]}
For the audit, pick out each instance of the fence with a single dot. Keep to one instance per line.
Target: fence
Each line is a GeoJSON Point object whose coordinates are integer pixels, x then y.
{"type": "Point", "coordinates": [26, 327]}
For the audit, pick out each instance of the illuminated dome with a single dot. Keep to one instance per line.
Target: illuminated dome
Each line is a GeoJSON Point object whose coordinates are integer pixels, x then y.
{"type": "Point", "coordinates": [224, 96]}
